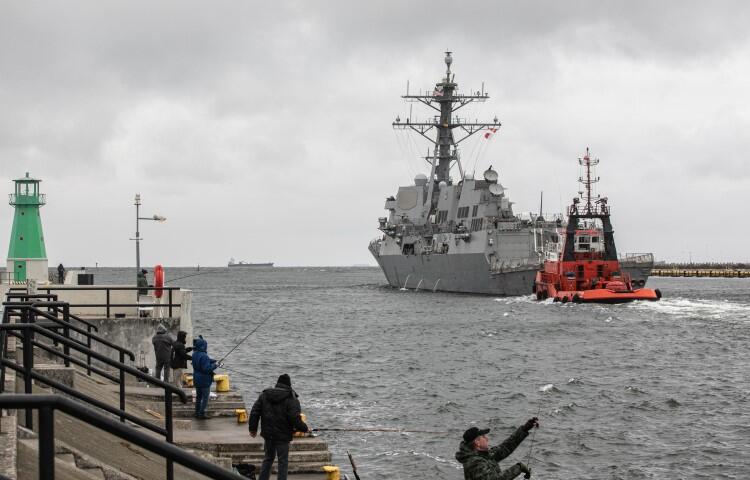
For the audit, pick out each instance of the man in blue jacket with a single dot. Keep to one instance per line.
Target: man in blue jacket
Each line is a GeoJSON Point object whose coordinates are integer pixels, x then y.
{"type": "Point", "coordinates": [203, 375]}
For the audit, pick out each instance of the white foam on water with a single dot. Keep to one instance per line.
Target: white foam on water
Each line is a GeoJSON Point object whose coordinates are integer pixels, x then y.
{"type": "Point", "coordinates": [547, 388]}
{"type": "Point", "coordinates": [683, 307]}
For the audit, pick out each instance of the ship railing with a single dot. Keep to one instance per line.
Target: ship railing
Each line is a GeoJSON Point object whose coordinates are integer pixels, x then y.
{"type": "Point", "coordinates": [514, 264]}
{"type": "Point", "coordinates": [637, 258]}
{"type": "Point", "coordinates": [108, 305]}
{"type": "Point", "coordinates": [48, 404]}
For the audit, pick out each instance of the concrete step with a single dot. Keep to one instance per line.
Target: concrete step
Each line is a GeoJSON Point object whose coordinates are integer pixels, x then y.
{"type": "Point", "coordinates": [65, 466]}
{"type": "Point", "coordinates": [256, 458]}
{"type": "Point", "coordinates": [307, 444]}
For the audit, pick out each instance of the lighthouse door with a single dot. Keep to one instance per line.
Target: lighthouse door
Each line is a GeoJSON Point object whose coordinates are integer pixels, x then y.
{"type": "Point", "coordinates": [19, 271]}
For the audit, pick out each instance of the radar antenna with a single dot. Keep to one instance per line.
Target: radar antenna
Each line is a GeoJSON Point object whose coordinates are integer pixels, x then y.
{"type": "Point", "coordinates": [445, 99]}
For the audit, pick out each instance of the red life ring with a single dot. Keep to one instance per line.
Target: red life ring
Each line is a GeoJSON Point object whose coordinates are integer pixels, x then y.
{"type": "Point", "coordinates": [158, 281]}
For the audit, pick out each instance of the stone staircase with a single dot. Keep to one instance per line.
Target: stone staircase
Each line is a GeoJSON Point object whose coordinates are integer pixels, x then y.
{"type": "Point", "coordinates": [306, 454]}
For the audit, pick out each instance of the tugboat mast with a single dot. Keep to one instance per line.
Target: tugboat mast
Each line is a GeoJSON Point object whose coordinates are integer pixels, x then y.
{"type": "Point", "coordinates": [587, 180]}
{"type": "Point", "coordinates": [445, 100]}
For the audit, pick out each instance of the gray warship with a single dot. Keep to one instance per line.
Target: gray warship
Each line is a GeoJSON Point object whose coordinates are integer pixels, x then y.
{"type": "Point", "coordinates": [463, 236]}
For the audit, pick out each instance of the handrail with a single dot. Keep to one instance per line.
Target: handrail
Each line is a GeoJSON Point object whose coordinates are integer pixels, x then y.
{"type": "Point", "coordinates": [108, 305]}
{"type": "Point", "coordinates": [47, 404]}
{"type": "Point", "coordinates": [29, 375]}
{"type": "Point", "coordinates": [34, 308]}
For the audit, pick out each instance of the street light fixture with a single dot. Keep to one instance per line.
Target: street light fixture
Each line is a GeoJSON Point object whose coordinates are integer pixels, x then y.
{"type": "Point", "coordinates": [138, 218]}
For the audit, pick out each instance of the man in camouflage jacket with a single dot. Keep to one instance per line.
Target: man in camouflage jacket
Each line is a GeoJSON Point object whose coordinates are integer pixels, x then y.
{"type": "Point", "coordinates": [481, 462]}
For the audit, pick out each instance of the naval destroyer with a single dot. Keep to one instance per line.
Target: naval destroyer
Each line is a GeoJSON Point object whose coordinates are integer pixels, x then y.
{"type": "Point", "coordinates": [463, 236]}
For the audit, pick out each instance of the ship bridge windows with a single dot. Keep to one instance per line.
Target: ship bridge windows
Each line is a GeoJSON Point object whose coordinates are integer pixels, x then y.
{"type": "Point", "coordinates": [408, 249]}
{"type": "Point", "coordinates": [442, 216]}
{"type": "Point", "coordinates": [463, 212]}
{"type": "Point", "coordinates": [474, 210]}
{"type": "Point", "coordinates": [476, 224]}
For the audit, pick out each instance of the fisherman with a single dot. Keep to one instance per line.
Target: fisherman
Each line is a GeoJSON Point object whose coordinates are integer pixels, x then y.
{"type": "Point", "coordinates": [203, 375]}
{"type": "Point", "coordinates": [179, 358]}
{"type": "Point", "coordinates": [279, 413]}
{"type": "Point", "coordinates": [60, 274]}
{"type": "Point", "coordinates": [142, 282]}
{"type": "Point", "coordinates": [481, 462]}
{"type": "Point", "coordinates": [163, 351]}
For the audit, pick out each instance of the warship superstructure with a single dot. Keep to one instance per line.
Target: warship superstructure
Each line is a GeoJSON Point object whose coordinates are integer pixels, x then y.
{"type": "Point", "coordinates": [462, 236]}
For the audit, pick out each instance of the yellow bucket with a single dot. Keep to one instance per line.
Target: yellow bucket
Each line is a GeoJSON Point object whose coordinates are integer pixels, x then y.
{"type": "Point", "coordinates": [332, 473]}
{"type": "Point", "coordinates": [222, 382]}
{"type": "Point", "coordinates": [241, 415]}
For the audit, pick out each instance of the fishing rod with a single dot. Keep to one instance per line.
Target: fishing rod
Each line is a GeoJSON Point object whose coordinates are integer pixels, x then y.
{"type": "Point", "coordinates": [195, 274]}
{"type": "Point", "coordinates": [247, 336]}
{"type": "Point", "coordinates": [354, 467]}
{"type": "Point", "coordinates": [385, 430]}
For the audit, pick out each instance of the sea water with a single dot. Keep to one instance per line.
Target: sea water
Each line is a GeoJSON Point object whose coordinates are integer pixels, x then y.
{"type": "Point", "coordinates": [641, 390]}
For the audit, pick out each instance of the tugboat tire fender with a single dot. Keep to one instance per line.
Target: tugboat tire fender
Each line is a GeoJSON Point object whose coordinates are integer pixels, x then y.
{"type": "Point", "coordinates": [658, 293]}
{"type": "Point", "coordinates": [576, 298]}
{"type": "Point", "coordinates": [564, 299]}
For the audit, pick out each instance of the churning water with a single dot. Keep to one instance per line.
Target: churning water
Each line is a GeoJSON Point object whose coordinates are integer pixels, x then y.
{"type": "Point", "coordinates": [642, 390]}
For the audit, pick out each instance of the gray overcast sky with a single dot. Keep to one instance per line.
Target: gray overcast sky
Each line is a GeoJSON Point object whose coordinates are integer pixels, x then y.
{"type": "Point", "coordinates": [262, 129]}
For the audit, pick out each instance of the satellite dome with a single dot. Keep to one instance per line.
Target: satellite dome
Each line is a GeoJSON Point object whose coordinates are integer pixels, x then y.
{"type": "Point", "coordinates": [420, 180]}
{"type": "Point", "coordinates": [490, 175]}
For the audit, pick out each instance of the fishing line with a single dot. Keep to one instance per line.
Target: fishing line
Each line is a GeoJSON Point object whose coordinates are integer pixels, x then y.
{"type": "Point", "coordinates": [247, 336]}
{"type": "Point", "coordinates": [196, 274]}
{"type": "Point", "coordinates": [533, 434]}
{"type": "Point", "coordinates": [379, 430]}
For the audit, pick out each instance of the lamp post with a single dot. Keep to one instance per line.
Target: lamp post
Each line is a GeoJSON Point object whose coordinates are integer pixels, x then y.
{"type": "Point", "coordinates": [137, 238]}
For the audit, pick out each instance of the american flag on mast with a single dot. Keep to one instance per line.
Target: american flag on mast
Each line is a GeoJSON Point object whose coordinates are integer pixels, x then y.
{"type": "Point", "coordinates": [490, 131]}
{"type": "Point", "coordinates": [438, 92]}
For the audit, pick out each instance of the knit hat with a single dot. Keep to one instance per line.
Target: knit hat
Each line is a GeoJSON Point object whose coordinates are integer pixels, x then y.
{"type": "Point", "coordinates": [161, 329]}
{"type": "Point", "coordinates": [471, 434]}
{"type": "Point", "coordinates": [284, 379]}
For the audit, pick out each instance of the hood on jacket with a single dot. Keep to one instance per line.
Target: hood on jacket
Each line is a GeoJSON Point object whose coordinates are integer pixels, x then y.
{"type": "Point", "coordinates": [279, 393]}
{"type": "Point", "coordinates": [181, 336]}
{"type": "Point", "coordinates": [200, 345]}
{"type": "Point", "coordinates": [161, 329]}
{"type": "Point", "coordinates": [465, 452]}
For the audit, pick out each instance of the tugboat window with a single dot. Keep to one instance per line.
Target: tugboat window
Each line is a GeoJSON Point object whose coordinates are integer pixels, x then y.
{"type": "Point", "coordinates": [408, 249]}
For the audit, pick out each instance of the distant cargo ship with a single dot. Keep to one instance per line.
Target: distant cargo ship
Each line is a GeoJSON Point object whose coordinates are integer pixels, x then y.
{"type": "Point", "coordinates": [232, 263]}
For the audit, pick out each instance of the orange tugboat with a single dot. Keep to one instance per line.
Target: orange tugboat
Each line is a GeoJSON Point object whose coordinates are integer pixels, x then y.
{"type": "Point", "coordinates": [586, 269]}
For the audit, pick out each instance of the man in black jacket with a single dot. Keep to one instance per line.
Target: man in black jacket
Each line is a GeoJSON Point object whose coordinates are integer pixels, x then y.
{"type": "Point", "coordinates": [279, 413]}
{"type": "Point", "coordinates": [163, 351]}
{"type": "Point", "coordinates": [179, 358]}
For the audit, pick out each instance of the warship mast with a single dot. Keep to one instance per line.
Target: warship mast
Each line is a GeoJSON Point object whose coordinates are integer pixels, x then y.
{"type": "Point", "coordinates": [445, 100]}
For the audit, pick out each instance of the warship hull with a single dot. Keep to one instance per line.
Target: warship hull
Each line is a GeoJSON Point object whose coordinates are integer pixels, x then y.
{"type": "Point", "coordinates": [470, 273]}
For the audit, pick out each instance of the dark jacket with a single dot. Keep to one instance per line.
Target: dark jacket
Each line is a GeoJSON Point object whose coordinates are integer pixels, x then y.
{"type": "Point", "coordinates": [142, 284]}
{"type": "Point", "coordinates": [484, 466]}
{"type": "Point", "coordinates": [179, 352]}
{"type": "Point", "coordinates": [279, 413]}
{"type": "Point", "coordinates": [203, 365]}
{"type": "Point", "coordinates": [162, 345]}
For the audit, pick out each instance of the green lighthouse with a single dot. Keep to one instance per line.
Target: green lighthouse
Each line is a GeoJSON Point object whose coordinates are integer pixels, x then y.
{"type": "Point", "coordinates": [27, 256]}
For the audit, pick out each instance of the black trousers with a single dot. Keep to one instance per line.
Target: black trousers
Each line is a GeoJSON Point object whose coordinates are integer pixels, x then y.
{"type": "Point", "coordinates": [272, 448]}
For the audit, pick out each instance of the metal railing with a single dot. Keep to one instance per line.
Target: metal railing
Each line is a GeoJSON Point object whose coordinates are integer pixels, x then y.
{"type": "Point", "coordinates": [108, 290]}
{"type": "Point", "coordinates": [47, 404]}
{"type": "Point", "coordinates": [26, 332]}
{"type": "Point", "coordinates": [29, 311]}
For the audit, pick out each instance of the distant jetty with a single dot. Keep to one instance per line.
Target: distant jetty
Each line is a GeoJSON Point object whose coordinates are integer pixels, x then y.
{"type": "Point", "coordinates": [706, 269]}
